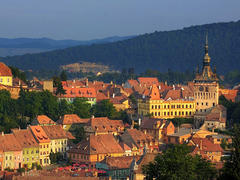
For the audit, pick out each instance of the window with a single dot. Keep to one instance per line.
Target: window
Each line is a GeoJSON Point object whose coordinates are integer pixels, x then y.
{"type": "Point", "coordinates": [206, 103]}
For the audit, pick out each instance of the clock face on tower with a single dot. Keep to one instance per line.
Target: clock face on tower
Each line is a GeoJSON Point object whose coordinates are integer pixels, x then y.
{"type": "Point", "coordinates": [201, 88]}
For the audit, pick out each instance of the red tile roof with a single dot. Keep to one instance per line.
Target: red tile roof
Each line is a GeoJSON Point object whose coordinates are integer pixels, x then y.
{"type": "Point", "coordinates": [69, 119]}
{"type": "Point", "coordinates": [120, 162]}
{"type": "Point", "coordinates": [149, 81]}
{"type": "Point", "coordinates": [229, 94]}
{"type": "Point", "coordinates": [118, 99]}
{"type": "Point", "coordinates": [25, 138]}
{"type": "Point", "coordinates": [101, 96]}
{"type": "Point", "coordinates": [9, 143]}
{"type": "Point", "coordinates": [73, 92]}
{"type": "Point", "coordinates": [154, 93]}
{"type": "Point", "coordinates": [103, 124]}
{"type": "Point", "coordinates": [55, 132]}
{"type": "Point", "coordinates": [98, 144]}
{"type": "Point", "coordinates": [5, 70]}
{"type": "Point", "coordinates": [133, 82]}
{"type": "Point", "coordinates": [205, 145]}
{"type": "Point", "coordinates": [43, 119]}
{"type": "Point", "coordinates": [40, 134]}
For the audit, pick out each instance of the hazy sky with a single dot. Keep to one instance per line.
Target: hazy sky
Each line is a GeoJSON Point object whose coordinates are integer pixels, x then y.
{"type": "Point", "coordinates": [90, 19]}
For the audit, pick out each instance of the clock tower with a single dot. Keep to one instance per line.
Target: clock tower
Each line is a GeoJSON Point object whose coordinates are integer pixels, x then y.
{"type": "Point", "coordinates": [206, 85]}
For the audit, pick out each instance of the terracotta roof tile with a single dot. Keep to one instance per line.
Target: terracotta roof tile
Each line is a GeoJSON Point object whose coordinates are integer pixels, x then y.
{"type": "Point", "coordinates": [205, 145]}
{"type": "Point", "coordinates": [149, 81]}
{"type": "Point", "coordinates": [5, 70]}
{"type": "Point", "coordinates": [55, 132]}
{"type": "Point", "coordinates": [72, 119]}
{"type": "Point", "coordinates": [25, 138]}
{"type": "Point", "coordinates": [9, 143]}
{"type": "Point", "coordinates": [98, 144]}
{"type": "Point", "coordinates": [103, 124]}
{"type": "Point", "coordinates": [120, 162]}
{"type": "Point", "coordinates": [229, 94]}
{"type": "Point", "coordinates": [40, 134]}
{"type": "Point", "coordinates": [73, 92]}
{"type": "Point", "coordinates": [43, 119]}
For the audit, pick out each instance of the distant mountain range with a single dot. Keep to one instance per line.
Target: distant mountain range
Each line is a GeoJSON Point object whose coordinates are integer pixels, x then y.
{"type": "Point", "coordinates": [178, 50]}
{"type": "Point", "coordinates": [20, 46]}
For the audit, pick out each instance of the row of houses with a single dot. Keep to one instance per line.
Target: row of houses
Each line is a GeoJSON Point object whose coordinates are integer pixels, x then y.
{"type": "Point", "coordinates": [25, 147]}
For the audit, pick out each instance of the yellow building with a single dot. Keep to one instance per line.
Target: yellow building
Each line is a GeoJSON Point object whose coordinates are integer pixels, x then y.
{"type": "Point", "coordinates": [5, 75]}
{"type": "Point", "coordinates": [12, 151]}
{"type": "Point", "coordinates": [44, 144]}
{"type": "Point", "coordinates": [58, 137]}
{"type": "Point", "coordinates": [30, 152]}
{"type": "Point", "coordinates": [165, 109]}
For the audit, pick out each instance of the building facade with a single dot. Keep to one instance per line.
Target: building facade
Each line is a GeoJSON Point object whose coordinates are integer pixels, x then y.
{"type": "Point", "coordinates": [159, 108]}
{"type": "Point", "coordinates": [206, 86]}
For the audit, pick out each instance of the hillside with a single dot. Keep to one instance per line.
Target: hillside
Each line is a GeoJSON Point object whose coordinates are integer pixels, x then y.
{"type": "Point", "coordinates": [177, 50]}
{"type": "Point", "coordinates": [20, 46]}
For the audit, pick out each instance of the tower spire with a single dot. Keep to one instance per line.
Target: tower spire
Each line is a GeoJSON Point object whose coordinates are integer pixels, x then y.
{"type": "Point", "coordinates": [206, 44]}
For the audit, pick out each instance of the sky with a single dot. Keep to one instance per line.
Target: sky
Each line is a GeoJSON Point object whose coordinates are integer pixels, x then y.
{"type": "Point", "coordinates": [91, 19]}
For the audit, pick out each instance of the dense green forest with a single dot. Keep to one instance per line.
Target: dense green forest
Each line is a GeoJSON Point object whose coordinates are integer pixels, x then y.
{"type": "Point", "coordinates": [179, 50]}
{"type": "Point", "coordinates": [20, 112]}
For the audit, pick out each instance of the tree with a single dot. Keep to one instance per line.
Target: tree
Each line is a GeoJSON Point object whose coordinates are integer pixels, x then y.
{"type": "Point", "coordinates": [231, 169]}
{"type": "Point", "coordinates": [104, 108]}
{"type": "Point", "coordinates": [81, 107]}
{"type": "Point", "coordinates": [176, 163]}
{"type": "Point", "coordinates": [63, 76]}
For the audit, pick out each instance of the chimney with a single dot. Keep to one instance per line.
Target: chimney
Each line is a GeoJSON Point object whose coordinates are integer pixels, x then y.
{"type": "Point", "coordinates": [139, 122]}
{"type": "Point", "coordinates": [87, 82]}
{"type": "Point", "coordinates": [113, 95]}
{"type": "Point", "coordinates": [200, 144]}
{"type": "Point", "coordinates": [108, 94]}
{"type": "Point", "coordinates": [2, 133]}
{"type": "Point", "coordinates": [92, 117]}
{"type": "Point", "coordinates": [213, 129]}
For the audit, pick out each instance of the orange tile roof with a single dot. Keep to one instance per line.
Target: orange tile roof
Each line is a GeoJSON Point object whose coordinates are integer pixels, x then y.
{"type": "Point", "coordinates": [73, 92]}
{"type": "Point", "coordinates": [205, 145]}
{"type": "Point", "coordinates": [72, 119]}
{"type": "Point", "coordinates": [25, 138]}
{"type": "Point", "coordinates": [40, 134]}
{"type": "Point", "coordinates": [98, 144]}
{"type": "Point", "coordinates": [149, 81]}
{"type": "Point", "coordinates": [118, 99]}
{"type": "Point", "coordinates": [133, 82]}
{"type": "Point", "coordinates": [229, 94]}
{"type": "Point", "coordinates": [149, 123]}
{"type": "Point", "coordinates": [101, 96]}
{"type": "Point", "coordinates": [5, 70]}
{"type": "Point", "coordinates": [173, 94]}
{"type": "Point", "coordinates": [43, 119]}
{"type": "Point", "coordinates": [154, 93]}
{"type": "Point", "coordinates": [103, 124]}
{"type": "Point", "coordinates": [120, 162]}
{"type": "Point", "coordinates": [9, 143]}
{"type": "Point", "coordinates": [215, 117]}
{"type": "Point", "coordinates": [55, 132]}
{"type": "Point", "coordinates": [132, 137]}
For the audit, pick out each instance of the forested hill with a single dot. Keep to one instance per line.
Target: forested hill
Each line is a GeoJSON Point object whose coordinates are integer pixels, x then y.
{"type": "Point", "coordinates": [177, 50]}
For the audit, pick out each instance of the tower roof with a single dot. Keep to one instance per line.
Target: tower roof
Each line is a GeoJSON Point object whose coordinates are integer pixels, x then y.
{"type": "Point", "coordinates": [207, 74]}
